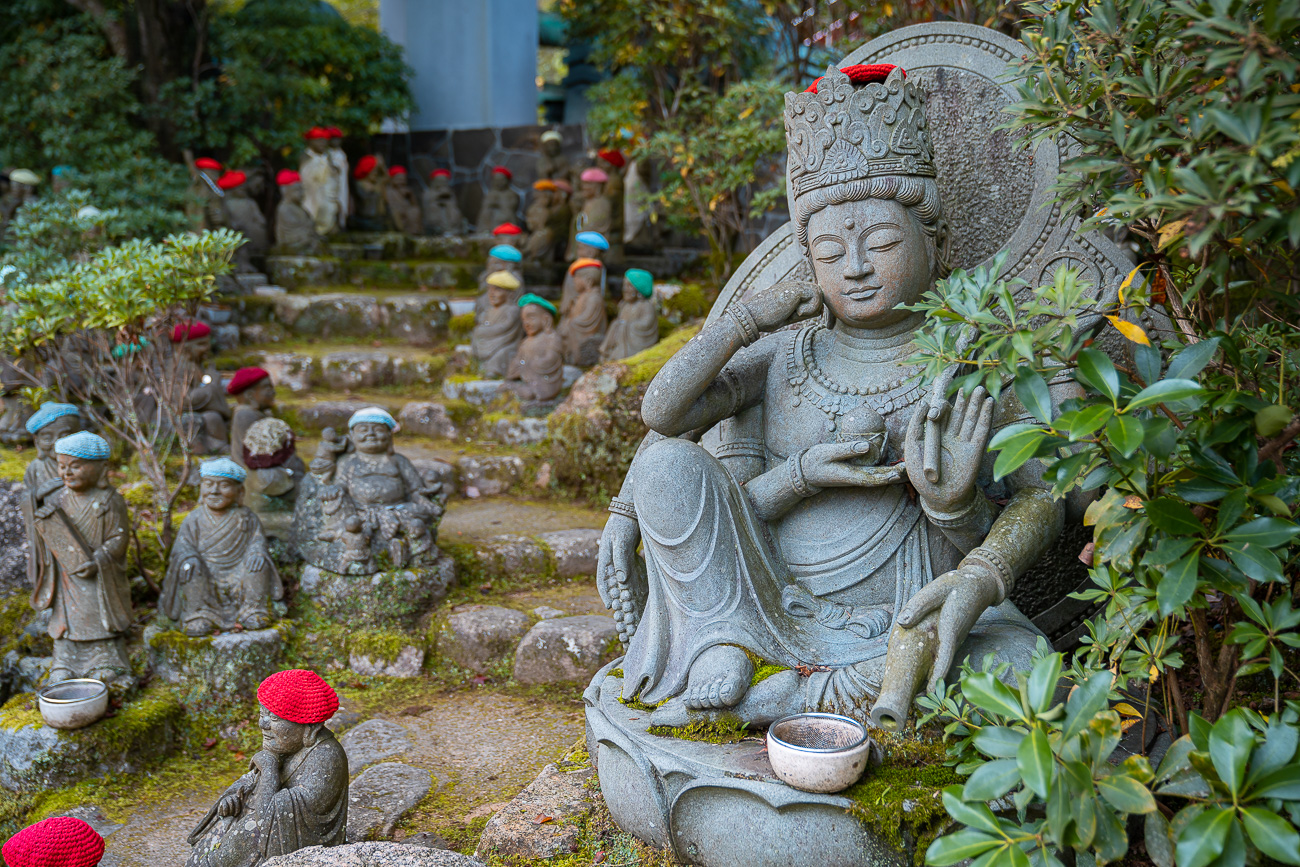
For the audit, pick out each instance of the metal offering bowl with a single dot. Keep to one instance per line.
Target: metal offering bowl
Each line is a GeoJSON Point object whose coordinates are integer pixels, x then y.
{"type": "Point", "coordinates": [72, 704]}
{"type": "Point", "coordinates": [818, 752]}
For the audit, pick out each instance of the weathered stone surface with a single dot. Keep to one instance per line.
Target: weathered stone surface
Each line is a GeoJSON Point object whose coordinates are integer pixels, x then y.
{"type": "Point", "coordinates": [293, 272]}
{"type": "Point", "coordinates": [373, 741]}
{"type": "Point", "coordinates": [516, 830]}
{"type": "Point", "coordinates": [346, 371]}
{"type": "Point", "coordinates": [373, 855]}
{"type": "Point", "coordinates": [395, 599]}
{"type": "Point", "coordinates": [546, 612]}
{"type": "Point", "coordinates": [566, 649]}
{"type": "Point", "coordinates": [416, 318]}
{"type": "Point", "coordinates": [427, 839]}
{"type": "Point", "coordinates": [575, 551]}
{"type": "Point", "coordinates": [479, 392]}
{"type": "Point", "coordinates": [477, 637]}
{"type": "Point", "coordinates": [328, 413]}
{"type": "Point", "coordinates": [490, 475]}
{"type": "Point", "coordinates": [509, 554]}
{"type": "Point", "coordinates": [517, 431]}
{"type": "Point", "coordinates": [13, 541]}
{"type": "Point", "coordinates": [438, 475]}
{"type": "Point", "coordinates": [409, 663]}
{"type": "Point", "coordinates": [427, 418]}
{"type": "Point", "coordinates": [292, 370]}
{"type": "Point", "coordinates": [381, 796]}
{"type": "Point", "coordinates": [216, 670]}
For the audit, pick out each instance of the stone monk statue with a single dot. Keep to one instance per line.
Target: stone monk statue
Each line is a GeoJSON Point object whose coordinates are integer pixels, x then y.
{"type": "Point", "coordinates": [590, 245]}
{"type": "Point", "coordinates": [637, 325]}
{"type": "Point", "coordinates": [79, 543]}
{"type": "Point", "coordinates": [795, 550]}
{"type": "Point", "coordinates": [220, 575]}
{"type": "Point", "coordinates": [320, 182]}
{"type": "Point", "coordinates": [498, 330]}
{"type": "Point", "coordinates": [403, 206]}
{"type": "Point", "coordinates": [537, 372]}
{"type": "Point", "coordinates": [441, 213]}
{"type": "Point", "coordinates": [206, 413]}
{"type": "Point", "coordinates": [295, 793]}
{"type": "Point", "coordinates": [295, 230]}
{"type": "Point", "coordinates": [582, 328]}
{"type": "Point", "coordinates": [501, 204]}
{"type": "Point", "coordinates": [47, 425]}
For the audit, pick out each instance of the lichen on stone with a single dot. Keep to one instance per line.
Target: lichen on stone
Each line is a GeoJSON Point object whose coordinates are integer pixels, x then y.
{"type": "Point", "coordinates": [726, 729]}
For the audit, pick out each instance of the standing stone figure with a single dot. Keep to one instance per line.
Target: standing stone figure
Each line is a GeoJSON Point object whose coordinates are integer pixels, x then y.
{"type": "Point", "coordinates": [244, 216]}
{"type": "Point", "coordinates": [537, 372]}
{"type": "Point", "coordinates": [220, 575]}
{"type": "Point", "coordinates": [551, 161]}
{"type": "Point", "coordinates": [79, 544]}
{"type": "Point", "coordinates": [501, 204]}
{"type": "Point", "coordinates": [295, 230]}
{"type": "Point", "coordinates": [371, 211]}
{"type": "Point", "coordinates": [441, 213]}
{"type": "Point", "coordinates": [613, 164]}
{"type": "Point", "coordinates": [206, 209]}
{"type": "Point", "coordinates": [583, 328]}
{"type": "Point", "coordinates": [50, 423]}
{"type": "Point", "coordinates": [497, 327]}
{"type": "Point", "coordinates": [319, 183]}
{"type": "Point", "coordinates": [339, 160]}
{"type": "Point", "coordinates": [590, 245]}
{"type": "Point", "coordinates": [637, 326]}
{"type": "Point", "coordinates": [402, 203]}
{"type": "Point", "coordinates": [597, 214]}
{"type": "Point", "coordinates": [206, 414]}
{"type": "Point", "coordinates": [295, 793]}
{"type": "Point", "coordinates": [547, 219]}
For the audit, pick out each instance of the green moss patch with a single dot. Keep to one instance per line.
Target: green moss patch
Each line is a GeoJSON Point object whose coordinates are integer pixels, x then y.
{"type": "Point", "coordinates": [380, 645]}
{"type": "Point", "coordinates": [726, 729]}
{"type": "Point", "coordinates": [13, 464]}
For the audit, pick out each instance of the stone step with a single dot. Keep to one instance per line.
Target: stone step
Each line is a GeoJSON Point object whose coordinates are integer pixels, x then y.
{"type": "Point", "coordinates": [294, 272]}
{"type": "Point", "coordinates": [249, 282]}
{"type": "Point", "coordinates": [394, 245]}
{"type": "Point", "coordinates": [482, 392]}
{"type": "Point", "coordinates": [349, 368]}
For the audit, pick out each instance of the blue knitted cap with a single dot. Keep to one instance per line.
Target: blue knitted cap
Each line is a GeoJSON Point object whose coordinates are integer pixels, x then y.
{"type": "Point", "coordinates": [373, 414]}
{"type": "Point", "coordinates": [592, 239]}
{"type": "Point", "coordinates": [222, 468]}
{"type": "Point", "coordinates": [506, 253]}
{"type": "Point", "coordinates": [48, 413]}
{"type": "Point", "coordinates": [84, 445]}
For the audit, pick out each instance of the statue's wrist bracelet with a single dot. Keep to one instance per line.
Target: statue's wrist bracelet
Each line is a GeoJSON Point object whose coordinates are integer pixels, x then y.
{"type": "Point", "coordinates": [798, 483]}
{"type": "Point", "coordinates": [977, 510]}
{"type": "Point", "coordinates": [622, 507]}
{"type": "Point", "coordinates": [995, 565]}
{"type": "Point", "coordinates": [739, 314]}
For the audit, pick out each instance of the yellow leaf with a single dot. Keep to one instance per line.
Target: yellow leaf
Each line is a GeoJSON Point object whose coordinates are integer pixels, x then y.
{"type": "Point", "coordinates": [1132, 501]}
{"type": "Point", "coordinates": [746, 113]}
{"type": "Point", "coordinates": [1128, 281]}
{"type": "Point", "coordinates": [1126, 709]}
{"type": "Point", "coordinates": [1154, 673]}
{"type": "Point", "coordinates": [1169, 233]}
{"type": "Point", "coordinates": [1131, 330]}
{"type": "Point", "coordinates": [1284, 187]}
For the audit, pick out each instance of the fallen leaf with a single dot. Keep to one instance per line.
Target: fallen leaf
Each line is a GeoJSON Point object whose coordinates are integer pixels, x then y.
{"type": "Point", "coordinates": [209, 743]}
{"type": "Point", "coordinates": [1086, 555]}
{"type": "Point", "coordinates": [1131, 330]}
{"type": "Point", "coordinates": [1132, 501]}
{"type": "Point", "coordinates": [542, 820]}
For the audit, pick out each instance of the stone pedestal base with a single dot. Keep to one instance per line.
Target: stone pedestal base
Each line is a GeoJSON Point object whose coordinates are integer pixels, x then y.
{"type": "Point", "coordinates": [386, 600]}
{"type": "Point", "coordinates": [217, 670]}
{"type": "Point", "coordinates": [717, 805]}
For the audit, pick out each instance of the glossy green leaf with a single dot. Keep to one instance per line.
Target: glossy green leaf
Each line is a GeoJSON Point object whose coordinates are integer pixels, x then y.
{"type": "Point", "coordinates": [1187, 362]}
{"type": "Point", "coordinates": [1034, 758]}
{"type": "Point", "coordinates": [1164, 391]}
{"type": "Point", "coordinates": [1126, 794]}
{"type": "Point", "coordinates": [1089, 420]}
{"type": "Point", "coordinates": [1256, 561]}
{"type": "Point", "coordinates": [1043, 681]}
{"type": "Point", "coordinates": [991, 780]}
{"type": "Point", "coordinates": [1015, 454]}
{"type": "Point", "coordinates": [1283, 783]}
{"type": "Point", "coordinates": [1031, 391]}
{"type": "Point", "coordinates": [1099, 372]}
{"type": "Point", "coordinates": [1173, 517]}
{"type": "Point", "coordinates": [1202, 841]}
{"type": "Point", "coordinates": [1231, 743]}
{"type": "Point", "coordinates": [962, 845]}
{"type": "Point", "coordinates": [988, 693]}
{"type": "Point", "coordinates": [1160, 843]}
{"type": "Point", "coordinates": [1271, 834]}
{"type": "Point", "coordinates": [1125, 434]}
{"type": "Point", "coordinates": [977, 816]}
{"type": "Point", "coordinates": [1268, 532]}
{"type": "Point", "coordinates": [1086, 702]}
{"type": "Point", "coordinates": [1176, 586]}
{"type": "Point", "coordinates": [998, 742]}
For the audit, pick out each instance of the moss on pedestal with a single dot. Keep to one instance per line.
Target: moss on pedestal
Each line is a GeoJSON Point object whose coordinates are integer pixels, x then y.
{"type": "Point", "coordinates": [381, 645]}
{"type": "Point", "coordinates": [727, 729]}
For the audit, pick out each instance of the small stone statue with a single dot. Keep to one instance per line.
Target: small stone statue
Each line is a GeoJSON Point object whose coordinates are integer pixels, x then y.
{"type": "Point", "coordinates": [502, 257]}
{"type": "Point", "coordinates": [371, 212]}
{"type": "Point", "coordinates": [275, 473]}
{"type": "Point", "coordinates": [220, 575]}
{"type": "Point", "coordinates": [206, 208]}
{"type": "Point", "coordinates": [551, 162]}
{"type": "Point", "coordinates": [47, 425]}
{"type": "Point", "coordinates": [403, 206]}
{"type": "Point", "coordinates": [79, 544]}
{"type": "Point", "coordinates": [339, 160]}
{"type": "Point", "coordinates": [547, 218]}
{"type": "Point", "coordinates": [583, 328]}
{"type": "Point", "coordinates": [206, 416]}
{"type": "Point", "coordinates": [441, 212]}
{"type": "Point", "coordinates": [59, 840]}
{"type": "Point", "coordinates": [537, 372]}
{"type": "Point", "coordinates": [244, 216]}
{"type": "Point", "coordinates": [509, 233]}
{"type": "Point", "coordinates": [590, 245]}
{"type": "Point", "coordinates": [295, 793]}
{"type": "Point", "coordinates": [295, 230]}
{"type": "Point", "coordinates": [501, 204]}
{"type": "Point", "coordinates": [637, 325]}
{"type": "Point", "coordinates": [597, 214]}
{"type": "Point", "coordinates": [498, 330]}
{"type": "Point", "coordinates": [320, 183]}
{"type": "Point", "coordinates": [361, 475]}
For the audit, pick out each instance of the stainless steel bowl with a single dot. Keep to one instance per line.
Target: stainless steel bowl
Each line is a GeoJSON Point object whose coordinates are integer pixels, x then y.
{"type": "Point", "coordinates": [73, 704]}
{"type": "Point", "coordinates": [818, 752]}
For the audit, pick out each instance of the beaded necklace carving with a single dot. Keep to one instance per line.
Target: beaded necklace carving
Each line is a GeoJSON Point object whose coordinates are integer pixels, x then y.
{"type": "Point", "coordinates": [835, 399]}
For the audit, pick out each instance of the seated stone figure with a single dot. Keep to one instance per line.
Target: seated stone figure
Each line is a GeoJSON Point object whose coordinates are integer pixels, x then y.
{"type": "Point", "coordinates": [547, 218]}
{"type": "Point", "coordinates": [874, 580]}
{"type": "Point", "coordinates": [244, 216]}
{"type": "Point", "coordinates": [371, 212]}
{"type": "Point", "coordinates": [78, 547]}
{"type": "Point", "coordinates": [275, 474]}
{"type": "Point", "coordinates": [402, 203]}
{"type": "Point", "coordinates": [500, 204]}
{"type": "Point", "coordinates": [295, 230]}
{"type": "Point", "coordinates": [590, 245]}
{"type": "Point", "coordinates": [583, 328]}
{"type": "Point", "coordinates": [637, 325]}
{"type": "Point", "coordinates": [441, 213]}
{"type": "Point", "coordinates": [206, 416]}
{"type": "Point", "coordinates": [502, 257]}
{"type": "Point", "coordinates": [537, 371]}
{"type": "Point", "coordinates": [295, 793]}
{"type": "Point", "coordinates": [497, 329]}
{"type": "Point", "coordinates": [220, 575]}
{"type": "Point", "coordinates": [597, 213]}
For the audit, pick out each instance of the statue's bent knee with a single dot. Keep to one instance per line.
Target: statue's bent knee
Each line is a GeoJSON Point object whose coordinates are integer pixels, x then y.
{"type": "Point", "coordinates": [669, 477]}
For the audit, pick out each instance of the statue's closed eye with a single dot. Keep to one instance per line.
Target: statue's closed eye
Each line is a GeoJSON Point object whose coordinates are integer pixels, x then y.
{"type": "Point", "coordinates": [828, 251]}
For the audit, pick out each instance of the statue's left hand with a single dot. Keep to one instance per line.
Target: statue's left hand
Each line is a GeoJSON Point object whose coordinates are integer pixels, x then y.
{"type": "Point", "coordinates": [86, 570]}
{"type": "Point", "coordinates": [960, 597]}
{"type": "Point", "coordinates": [257, 562]}
{"type": "Point", "coordinates": [962, 444]}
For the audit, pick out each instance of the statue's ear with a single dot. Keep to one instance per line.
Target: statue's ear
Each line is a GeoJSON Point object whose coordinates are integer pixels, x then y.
{"type": "Point", "coordinates": [313, 734]}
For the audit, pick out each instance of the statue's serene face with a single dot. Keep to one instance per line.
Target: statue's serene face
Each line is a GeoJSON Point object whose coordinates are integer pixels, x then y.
{"type": "Point", "coordinates": [399, 181]}
{"type": "Point", "coordinates": [79, 474]}
{"type": "Point", "coordinates": [260, 394]}
{"type": "Point", "coordinates": [292, 193]}
{"type": "Point", "coordinates": [496, 296]}
{"type": "Point", "coordinates": [869, 257]}
{"type": "Point", "coordinates": [629, 292]}
{"type": "Point", "coordinates": [371, 437]}
{"type": "Point", "coordinates": [55, 430]}
{"type": "Point", "coordinates": [586, 279]}
{"type": "Point", "coordinates": [219, 494]}
{"type": "Point", "coordinates": [585, 252]}
{"type": "Point", "coordinates": [592, 189]}
{"type": "Point", "coordinates": [536, 320]}
{"type": "Point", "coordinates": [280, 736]}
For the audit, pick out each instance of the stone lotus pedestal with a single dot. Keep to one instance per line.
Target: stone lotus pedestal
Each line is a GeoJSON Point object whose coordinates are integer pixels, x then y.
{"type": "Point", "coordinates": [395, 599]}
{"type": "Point", "coordinates": [216, 670]}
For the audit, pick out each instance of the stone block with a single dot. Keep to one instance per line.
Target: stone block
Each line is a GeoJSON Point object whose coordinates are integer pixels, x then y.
{"type": "Point", "coordinates": [489, 475]}
{"type": "Point", "coordinates": [517, 431]}
{"type": "Point", "coordinates": [574, 551]}
{"type": "Point", "coordinates": [372, 855]}
{"type": "Point", "coordinates": [381, 273]}
{"type": "Point", "coordinates": [417, 319]}
{"type": "Point", "coordinates": [381, 796]}
{"type": "Point", "coordinates": [332, 314]}
{"type": "Point", "coordinates": [13, 541]}
{"type": "Point", "coordinates": [373, 741]}
{"type": "Point", "coordinates": [566, 649]}
{"type": "Point", "coordinates": [513, 555]}
{"type": "Point", "coordinates": [515, 832]}
{"type": "Point", "coordinates": [477, 637]}
{"type": "Point", "coordinates": [225, 337]}
{"type": "Point", "coordinates": [295, 371]}
{"type": "Point", "coordinates": [259, 333]}
{"type": "Point", "coordinates": [328, 413]}
{"type": "Point", "coordinates": [385, 600]}
{"type": "Point", "coordinates": [217, 670]}
{"type": "Point", "coordinates": [479, 392]}
{"type": "Point", "coordinates": [427, 418]}
{"type": "Point", "coordinates": [294, 272]}
{"type": "Point", "coordinates": [348, 371]}
{"type": "Point", "coordinates": [409, 662]}
{"type": "Point", "coordinates": [446, 275]}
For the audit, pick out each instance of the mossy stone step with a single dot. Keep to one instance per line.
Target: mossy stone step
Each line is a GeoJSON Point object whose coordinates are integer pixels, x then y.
{"type": "Point", "coordinates": [294, 272]}
{"type": "Point", "coordinates": [216, 671]}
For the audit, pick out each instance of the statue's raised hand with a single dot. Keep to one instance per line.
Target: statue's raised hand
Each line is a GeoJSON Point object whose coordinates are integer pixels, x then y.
{"type": "Point", "coordinates": [954, 438]}
{"type": "Point", "coordinates": [781, 303]}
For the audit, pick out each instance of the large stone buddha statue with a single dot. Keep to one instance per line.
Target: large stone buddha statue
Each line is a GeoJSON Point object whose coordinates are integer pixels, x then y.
{"type": "Point", "coordinates": [867, 558]}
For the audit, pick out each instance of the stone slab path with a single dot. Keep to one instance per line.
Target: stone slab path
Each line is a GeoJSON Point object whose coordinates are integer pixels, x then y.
{"type": "Point", "coordinates": [492, 516]}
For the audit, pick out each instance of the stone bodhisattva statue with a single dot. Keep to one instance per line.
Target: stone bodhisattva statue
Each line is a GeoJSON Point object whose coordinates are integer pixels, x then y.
{"type": "Point", "coordinates": [49, 424]}
{"type": "Point", "coordinates": [320, 182]}
{"type": "Point", "coordinates": [244, 216]}
{"type": "Point", "coordinates": [551, 161]}
{"type": "Point", "coordinates": [371, 212]}
{"type": "Point", "coordinates": [220, 575]}
{"type": "Point", "coordinates": [371, 507]}
{"type": "Point", "coordinates": [794, 550]}
{"type": "Point", "coordinates": [441, 212]}
{"type": "Point", "coordinates": [582, 328]}
{"type": "Point", "coordinates": [295, 230]}
{"type": "Point", "coordinates": [295, 793]}
{"type": "Point", "coordinates": [498, 330]}
{"type": "Point", "coordinates": [597, 213]}
{"type": "Point", "coordinates": [78, 548]}
{"type": "Point", "coordinates": [501, 204]}
{"type": "Point", "coordinates": [402, 203]}
{"type": "Point", "coordinates": [206, 416]}
{"type": "Point", "coordinates": [590, 245]}
{"type": "Point", "coordinates": [537, 371]}
{"type": "Point", "coordinates": [637, 325]}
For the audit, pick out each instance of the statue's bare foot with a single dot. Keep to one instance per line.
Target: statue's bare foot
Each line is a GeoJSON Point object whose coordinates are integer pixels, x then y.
{"type": "Point", "coordinates": [765, 702]}
{"type": "Point", "coordinates": [719, 677]}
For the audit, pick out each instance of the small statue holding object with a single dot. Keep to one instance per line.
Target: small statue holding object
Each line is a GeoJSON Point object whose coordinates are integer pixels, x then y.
{"type": "Point", "coordinates": [637, 325]}
{"type": "Point", "coordinates": [295, 230]}
{"type": "Point", "coordinates": [295, 793]}
{"type": "Point", "coordinates": [497, 329]}
{"type": "Point", "coordinates": [320, 182]}
{"type": "Point", "coordinates": [537, 372]}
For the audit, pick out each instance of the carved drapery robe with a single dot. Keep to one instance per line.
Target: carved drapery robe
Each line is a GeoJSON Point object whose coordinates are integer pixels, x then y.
{"type": "Point", "coordinates": [404, 208]}
{"type": "Point", "coordinates": [496, 338]}
{"type": "Point", "coordinates": [537, 371]}
{"type": "Point", "coordinates": [583, 328]}
{"type": "Point", "coordinates": [320, 189]}
{"type": "Point", "coordinates": [635, 329]}
{"type": "Point", "coordinates": [339, 160]}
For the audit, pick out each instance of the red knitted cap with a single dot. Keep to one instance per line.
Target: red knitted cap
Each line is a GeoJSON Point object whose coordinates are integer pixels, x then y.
{"type": "Point", "coordinates": [335, 132]}
{"type": "Point", "coordinates": [365, 166]}
{"type": "Point", "coordinates": [507, 229]}
{"type": "Point", "coordinates": [440, 173]}
{"type": "Point", "coordinates": [60, 841]}
{"type": "Point", "coordinates": [192, 331]}
{"type": "Point", "coordinates": [206, 163]}
{"type": "Point", "coordinates": [287, 177]}
{"type": "Point", "coordinates": [502, 170]}
{"type": "Point", "coordinates": [396, 170]}
{"type": "Point", "coordinates": [245, 377]}
{"type": "Point", "coordinates": [299, 696]}
{"type": "Point", "coordinates": [316, 132]}
{"type": "Point", "coordinates": [230, 180]}
{"type": "Point", "coordinates": [863, 73]}
{"type": "Point", "coordinates": [613, 157]}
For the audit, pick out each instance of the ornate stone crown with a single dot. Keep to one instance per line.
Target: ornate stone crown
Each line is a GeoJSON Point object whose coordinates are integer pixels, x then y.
{"type": "Point", "coordinates": [837, 133]}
